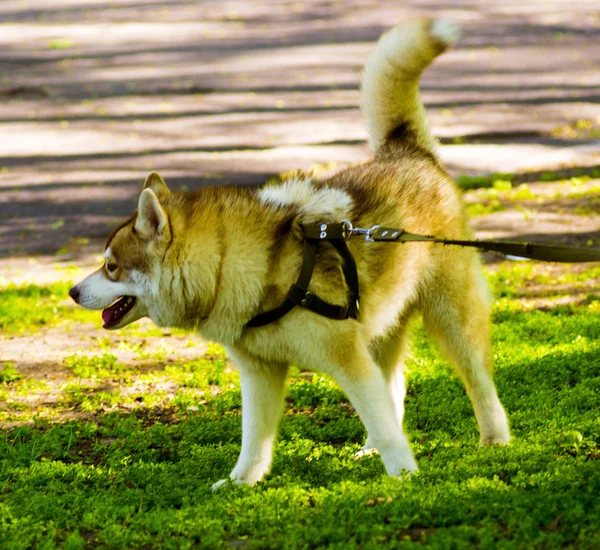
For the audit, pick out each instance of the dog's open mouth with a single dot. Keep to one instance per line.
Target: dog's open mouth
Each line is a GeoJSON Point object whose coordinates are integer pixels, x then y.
{"type": "Point", "coordinates": [114, 314]}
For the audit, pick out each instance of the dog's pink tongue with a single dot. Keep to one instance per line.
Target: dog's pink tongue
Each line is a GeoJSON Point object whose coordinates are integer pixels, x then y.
{"type": "Point", "coordinates": [107, 315]}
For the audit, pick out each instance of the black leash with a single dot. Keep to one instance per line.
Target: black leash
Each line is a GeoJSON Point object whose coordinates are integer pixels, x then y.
{"type": "Point", "coordinates": [338, 233]}
{"type": "Point", "coordinates": [542, 252]}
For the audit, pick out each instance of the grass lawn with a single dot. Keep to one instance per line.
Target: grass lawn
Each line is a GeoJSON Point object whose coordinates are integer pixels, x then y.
{"type": "Point", "coordinates": [113, 440]}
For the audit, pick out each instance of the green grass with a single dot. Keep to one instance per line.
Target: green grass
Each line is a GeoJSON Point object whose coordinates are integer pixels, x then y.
{"type": "Point", "coordinates": [24, 309]}
{"type": "Point", "coordinates": [501, 193]}
{"type": "Point", "coordinates": [8, 372]}
{"type": "Point", "coordinates": [60, 44]}
{"type": "Point", "coordinates": [126, 456]}
{"type": "Point", "coordinates": [486, 181]}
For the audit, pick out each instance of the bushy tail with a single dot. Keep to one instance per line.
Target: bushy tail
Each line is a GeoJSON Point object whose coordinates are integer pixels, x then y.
{"type": "Point", "coordinates": [390, 84]}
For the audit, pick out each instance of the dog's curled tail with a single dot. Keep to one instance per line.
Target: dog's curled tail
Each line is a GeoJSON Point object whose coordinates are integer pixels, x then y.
{"type": "Point", "coordinates": [390, 84]}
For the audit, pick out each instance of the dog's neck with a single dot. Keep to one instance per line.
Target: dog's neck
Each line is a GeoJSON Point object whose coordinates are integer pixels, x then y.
{"type": "Point", "coordinates": [221, 260]}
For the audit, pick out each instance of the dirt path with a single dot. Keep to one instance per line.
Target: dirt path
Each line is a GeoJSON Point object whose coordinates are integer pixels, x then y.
{"type": "Point", "coordinates": [95, 94]}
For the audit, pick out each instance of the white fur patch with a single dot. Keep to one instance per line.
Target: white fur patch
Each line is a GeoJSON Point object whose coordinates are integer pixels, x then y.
{"type": "Point", "coordinates": [446, 31]}
{"type": "Point", "coordinates": [328, 200]}
{"type": "Point", "coordinates": [98, 292]}
{"type": "Point", "coordinates": [292, 191]}
{"type": "Point", "coordinates": [302, 193]}
{"type": "Point", "coordinates": [140, 284]}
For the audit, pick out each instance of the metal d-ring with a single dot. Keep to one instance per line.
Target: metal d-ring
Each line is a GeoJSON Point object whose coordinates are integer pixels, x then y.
{"type": "Point", "coordinates": [348, 229]}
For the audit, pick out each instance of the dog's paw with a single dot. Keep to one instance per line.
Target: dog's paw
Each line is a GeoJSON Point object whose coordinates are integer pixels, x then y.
{"type": "Point", "coordinates": [228, 481]}
{"type": "Point", "coordinates": [365, 451]}
{"type": "Point", "coordinates": [495, 440]}
{"type": "Point", "coordinates": [216, 486]}
{"type": "Point", "coordinates": [406, 474]}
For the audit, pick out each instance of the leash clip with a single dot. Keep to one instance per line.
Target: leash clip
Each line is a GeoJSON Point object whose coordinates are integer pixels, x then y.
{"type": "Point", "coordinates": [350, 230]}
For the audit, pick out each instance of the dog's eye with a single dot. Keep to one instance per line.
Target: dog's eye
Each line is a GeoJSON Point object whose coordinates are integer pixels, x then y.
{"type": "Point", "coordinates": [111, 267]}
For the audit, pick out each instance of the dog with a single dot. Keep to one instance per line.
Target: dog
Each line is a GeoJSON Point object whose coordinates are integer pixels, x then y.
{"type": "Point", "coordinates": [210, 260]}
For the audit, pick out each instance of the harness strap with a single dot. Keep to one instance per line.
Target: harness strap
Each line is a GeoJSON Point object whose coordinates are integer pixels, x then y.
{"type": "Point", "coordinates": [299, 295]}
{"type": "Point", "coordinates": [351, 275]}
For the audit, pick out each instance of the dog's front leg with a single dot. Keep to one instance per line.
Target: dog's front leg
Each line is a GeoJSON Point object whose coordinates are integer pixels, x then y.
{"type": "Point", "coordinates": [263, 386]}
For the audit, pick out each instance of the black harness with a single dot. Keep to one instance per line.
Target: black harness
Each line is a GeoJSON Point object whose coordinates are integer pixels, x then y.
{"type": "Point", "coordinates": [338, 233]}
{"type": "Point", "coordinates": [299, 295]}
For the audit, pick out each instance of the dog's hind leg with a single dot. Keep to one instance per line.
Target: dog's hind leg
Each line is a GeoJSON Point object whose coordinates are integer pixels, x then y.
{"type": "Point", "coordinates": [366, 387]}
{"type": "Point", "coordinates": [459, 319]}
{"type": "Point", "coordinates": [263, 388]}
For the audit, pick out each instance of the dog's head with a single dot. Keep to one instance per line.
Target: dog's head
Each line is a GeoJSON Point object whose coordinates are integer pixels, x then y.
{"type": "Point", "coordinates": [127, 286]}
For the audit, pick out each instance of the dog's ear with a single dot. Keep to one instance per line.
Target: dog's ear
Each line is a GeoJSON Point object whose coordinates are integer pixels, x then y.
{"type": "Point", "coordinates": [152, 222]}
{"type": "Point", "coordinates": [157, 184]}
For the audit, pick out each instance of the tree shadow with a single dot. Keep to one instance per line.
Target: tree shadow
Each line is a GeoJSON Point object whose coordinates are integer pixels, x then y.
{"type": "Point", "coordinates": [56, 78]}
{"type": "Point", "coordinates": [42, 225]}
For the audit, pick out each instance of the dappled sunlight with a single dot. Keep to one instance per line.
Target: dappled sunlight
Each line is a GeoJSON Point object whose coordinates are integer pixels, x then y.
{"type": "Point", "coordinates": [114, 438]}
{"type": "Point", "coordinates": [517, 157]}
{"type": "Point", "coordinates": [89, 407]}
{"type": "Point", "coordinates": [216, 131]}
{"type": "Point", "coordinates": [22, 37]}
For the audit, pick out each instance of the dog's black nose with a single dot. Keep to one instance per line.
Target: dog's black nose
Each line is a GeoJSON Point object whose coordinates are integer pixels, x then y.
{"type": "Point", "coordinates": [74, 293]}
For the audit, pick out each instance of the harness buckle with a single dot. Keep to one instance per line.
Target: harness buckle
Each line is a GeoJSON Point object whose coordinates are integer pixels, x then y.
{"type": "Point", "coordinates": [350, 230]}
{"type": "Point", "coordinates": [369, 233]}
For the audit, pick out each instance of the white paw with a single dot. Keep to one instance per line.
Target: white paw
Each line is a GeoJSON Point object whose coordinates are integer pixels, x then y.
{"type": "Point", "coordinates": [405, 473]}
{"type": "Point", "coordinates": [365, 451]}
{"type": "Point", "coordinates": [495, 440]}
{"type": "Point", "coordinates": [234, 480]}
{"type": "Point", "coordinates": [219, 484]}
{"type": "Point", "coordinates": [446, 31]}
{"type": "Point", "coordinates": [400, 467]}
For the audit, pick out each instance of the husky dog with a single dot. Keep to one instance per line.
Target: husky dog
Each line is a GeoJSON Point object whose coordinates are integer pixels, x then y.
{"type": "Point", "coordinates": [211, 260]}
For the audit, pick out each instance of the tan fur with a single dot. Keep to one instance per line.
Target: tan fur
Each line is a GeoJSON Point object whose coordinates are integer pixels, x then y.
{"type": "Point", "coordinates": [221, 255]}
